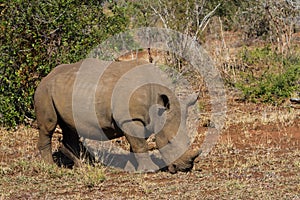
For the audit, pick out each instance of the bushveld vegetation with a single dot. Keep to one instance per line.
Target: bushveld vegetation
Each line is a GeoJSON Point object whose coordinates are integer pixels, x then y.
{"type": "Point", "coordinates": [37, 36]}
{"type": "Point", "coordinates": [254, 44]}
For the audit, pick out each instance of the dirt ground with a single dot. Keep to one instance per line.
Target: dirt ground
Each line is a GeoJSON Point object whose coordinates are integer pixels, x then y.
{"type": "Point", "coordinates": [257, 156]}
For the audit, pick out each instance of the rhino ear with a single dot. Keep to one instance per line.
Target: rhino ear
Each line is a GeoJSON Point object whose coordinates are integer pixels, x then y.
{"type": "Point", "coordinates": [164, 101]}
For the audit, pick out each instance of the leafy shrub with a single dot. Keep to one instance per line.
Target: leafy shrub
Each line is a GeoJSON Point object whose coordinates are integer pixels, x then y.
{"type": "Point", "coordinates": [270, 84]}
{"type": "Point", "coordinates": [38, 35]}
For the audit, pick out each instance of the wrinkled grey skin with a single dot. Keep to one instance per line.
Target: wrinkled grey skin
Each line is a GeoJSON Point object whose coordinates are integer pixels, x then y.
{"type": "Point", "coordinates": [53, 106]}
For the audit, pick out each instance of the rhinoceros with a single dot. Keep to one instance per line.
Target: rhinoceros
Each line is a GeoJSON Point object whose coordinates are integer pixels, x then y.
{"type": "Point", "coordinates": [66, 96]}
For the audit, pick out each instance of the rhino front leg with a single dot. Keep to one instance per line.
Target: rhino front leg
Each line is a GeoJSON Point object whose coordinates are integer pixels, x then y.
{"type": "Point", "coordinates": [143, 160]}
{"type": "Point", "coordinates": [136, 134]}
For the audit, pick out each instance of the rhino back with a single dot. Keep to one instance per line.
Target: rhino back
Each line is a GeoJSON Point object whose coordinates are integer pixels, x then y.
{"type": "Point", "coordinates": [107, 85]}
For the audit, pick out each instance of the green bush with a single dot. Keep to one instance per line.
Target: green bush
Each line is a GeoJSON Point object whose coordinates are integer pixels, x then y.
{"type": "Point", "coordinates": [269, 78]}
{"type": "Point", "coordinates": [273, 88]}
{"type": "Point", "coordinates": [38, 35]}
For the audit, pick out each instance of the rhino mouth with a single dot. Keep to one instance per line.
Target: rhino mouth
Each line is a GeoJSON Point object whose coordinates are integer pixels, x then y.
{"type": "Point", "coordinates": [185, 163]}
{"type": "Point", "coordinates": [174, 168]}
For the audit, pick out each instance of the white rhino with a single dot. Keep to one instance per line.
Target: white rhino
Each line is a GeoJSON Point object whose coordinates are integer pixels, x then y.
{"type": "Point", "coordinates": [60, 100]}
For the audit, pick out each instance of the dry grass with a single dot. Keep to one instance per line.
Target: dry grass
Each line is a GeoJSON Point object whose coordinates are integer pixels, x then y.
{"type": "Point", "coordinates": [250, 161]}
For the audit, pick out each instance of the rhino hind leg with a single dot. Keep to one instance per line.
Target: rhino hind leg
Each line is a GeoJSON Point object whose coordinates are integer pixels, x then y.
{"type": "Point", "coordinates": [44, 144]}
{"type": "Point", "coordinates": [73, 148]}
{"type": "Point", "coordinates": [70, 139]}
{"type": "Point", "coordinates": [47, 121]}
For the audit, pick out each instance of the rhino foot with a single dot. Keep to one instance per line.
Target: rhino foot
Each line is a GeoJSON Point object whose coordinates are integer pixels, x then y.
{"type": "Point", "coordinates": [145, 163]}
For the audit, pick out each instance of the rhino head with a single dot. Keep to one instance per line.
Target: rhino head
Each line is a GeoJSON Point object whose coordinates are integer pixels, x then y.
{"type": "Point", "coordinates": [169, 123]}
{"type": "Point", "coordinates": [185, 162]}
